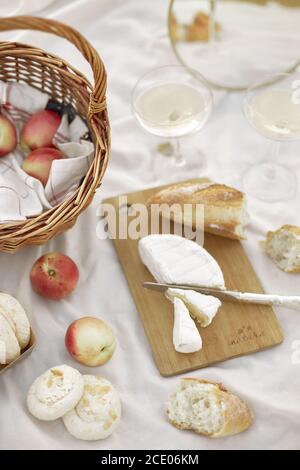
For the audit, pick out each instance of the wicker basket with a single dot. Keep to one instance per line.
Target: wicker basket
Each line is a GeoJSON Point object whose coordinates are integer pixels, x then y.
{"type": "Point", "coordinates": [51, 74]}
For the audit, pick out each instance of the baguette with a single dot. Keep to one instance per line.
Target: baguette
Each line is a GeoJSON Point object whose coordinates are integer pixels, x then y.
{"type": "Point", "coordinates": [199, 29]}
{"type": "Point", "coordinates": [224, 207]}
{"type": "Point", "coordinates": [176, 30]}
{"type": "Point", "coordinates": [9, 346]}
{"type": "Point", "coordinates": [207, 408]}
{"type": "Point", "coordinates": [283, 247]}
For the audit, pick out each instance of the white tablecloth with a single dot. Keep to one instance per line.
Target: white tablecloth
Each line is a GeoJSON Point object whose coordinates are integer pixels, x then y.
{"type": "Point", "coordinates": [129, 35]}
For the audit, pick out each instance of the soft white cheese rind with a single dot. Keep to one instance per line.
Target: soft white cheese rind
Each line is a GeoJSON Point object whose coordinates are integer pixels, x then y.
{"type": "Point", "coordinates": [203, 308]}
{"type": "Point", "coordinates": [173, 259]}
{"type": "Point", "coordinates": [186, 337]}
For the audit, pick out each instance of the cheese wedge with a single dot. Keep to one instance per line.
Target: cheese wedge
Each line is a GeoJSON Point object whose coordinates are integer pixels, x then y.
{"type": "Point", "coordinates": [173, 259]}
{"type": "Point", "coordinates": [202, 308]}
{"type": "Point", "coordinates": [186, 337]}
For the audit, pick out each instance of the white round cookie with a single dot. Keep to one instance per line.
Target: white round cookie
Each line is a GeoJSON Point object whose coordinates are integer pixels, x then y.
{"type": "Point", "coordinates": [10, 347]}
{"type": "Point", "coordinates": [14, 313]}
{"type": "Point", "coordinates": [55, 392]}
{"type": "Point", "coordinates": [98, 412]}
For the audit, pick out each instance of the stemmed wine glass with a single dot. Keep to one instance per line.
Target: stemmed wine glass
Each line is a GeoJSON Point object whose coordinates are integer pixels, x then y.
{"type": "Point", "coordinates": [272, 106]}
{"type": "Point", "coordinates": [171, 102]}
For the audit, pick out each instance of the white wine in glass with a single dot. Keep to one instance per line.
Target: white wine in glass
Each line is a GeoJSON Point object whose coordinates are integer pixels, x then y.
{"type": "Point", "coordinates": [171, 110]}
{"type": "Point", "coordinates": [272, 106]}
{"type": "Point", "coordinates": [172, 102]}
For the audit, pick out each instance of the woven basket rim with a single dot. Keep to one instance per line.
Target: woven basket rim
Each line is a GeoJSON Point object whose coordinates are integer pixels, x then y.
{"type": "Point", "coordinates": [41, 52]}
{"type": "Point", "coordinates": [39, 229]}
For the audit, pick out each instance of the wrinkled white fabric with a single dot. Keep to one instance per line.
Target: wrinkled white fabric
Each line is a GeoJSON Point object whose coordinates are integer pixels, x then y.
{"type": "Point", "coordinates": [254, 39]}
{"type": "Point", "coordinates": [129, 37]}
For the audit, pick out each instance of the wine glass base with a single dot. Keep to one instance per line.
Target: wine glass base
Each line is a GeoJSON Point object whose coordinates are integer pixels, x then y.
{"type": "Point", "coordinates": [167, 169]}
{"type": "Point", "coordinates": [270, 182]}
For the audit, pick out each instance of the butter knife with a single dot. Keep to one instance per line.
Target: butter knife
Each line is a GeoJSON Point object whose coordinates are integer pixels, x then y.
{"type": "Point", "coordinates": [286, 301]}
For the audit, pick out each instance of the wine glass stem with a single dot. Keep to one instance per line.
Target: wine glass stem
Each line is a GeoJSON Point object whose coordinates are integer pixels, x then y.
{"type": "Point", "coordinates": [178, 157]}
{"type": "Point", "coordinates": [270, 168]}
{"type": "Point", "coordinates": [212, 23]}
{"type": "Point", "coordinates": [275, 152]}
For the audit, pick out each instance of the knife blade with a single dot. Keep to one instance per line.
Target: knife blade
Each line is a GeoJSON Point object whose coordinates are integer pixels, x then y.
{"type": "Point", "coordinates": [287, 301]}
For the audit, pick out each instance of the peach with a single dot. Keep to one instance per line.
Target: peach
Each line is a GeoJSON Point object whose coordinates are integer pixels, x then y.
{"type": "Point", "coordinates": [39, 130]}
{"type": "Point", "coordinates": [8, 136]}
{"type": "Point", "coordinates": [90, 341]}
{"type": "Point", "coordinates": [39, 161]}
{"type": "Point", "coordinates": [54, 276]}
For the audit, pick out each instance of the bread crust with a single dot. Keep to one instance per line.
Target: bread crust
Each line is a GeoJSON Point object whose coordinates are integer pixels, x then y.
{"type": "Point", "coordinates": [293, 229]}
{"type": "Point", "coordinates": [224, 206]}
{"type": "Point", "coordinates": [237, 416]}
{"type": "Point", "coordinates": [271, 235]}
{"type": "Point", "coordinates": [10, 346]}
{"type": "Point", "coordinates": [13, 311]}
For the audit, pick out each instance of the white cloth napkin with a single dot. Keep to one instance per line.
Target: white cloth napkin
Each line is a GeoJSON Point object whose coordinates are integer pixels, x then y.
{"type": "Point", "coordinates": [21, 195]}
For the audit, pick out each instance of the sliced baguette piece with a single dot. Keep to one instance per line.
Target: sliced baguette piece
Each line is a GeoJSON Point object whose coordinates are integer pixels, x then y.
{"type": "Point", "coordinates": [14, 313]}
{"type": "Point", "coordinates": [203, 308]}
{"type": "Point", "coordinates": [2, 352]}
{"type": "Point", "coordinates": [283, 247]}
{"type": "Point", "coordinates": [224, 207]}
{"type": "Point", "coordinates": [207, 408]}
{"type": "Point", "coordinates": [11, 346]}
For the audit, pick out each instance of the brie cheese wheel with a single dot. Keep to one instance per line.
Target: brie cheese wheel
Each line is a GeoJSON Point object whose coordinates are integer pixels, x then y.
{"type": "Point", "coordinates": [172, 259]}
{"type": "Point", "coordinates": [202, 308]}
{"type": "Point", "coordinates": [186, 337]}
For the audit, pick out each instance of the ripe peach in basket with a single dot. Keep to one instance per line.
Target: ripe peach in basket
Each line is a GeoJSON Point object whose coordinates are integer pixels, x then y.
{"type": "Point", "coordinates": [8, 136]}
{"type": "Point", "coordinates": [39, 130]}
{"type": "Point", "coordinates": [54, 276]}
{"type": "Point", "coordinates": [39, 161]}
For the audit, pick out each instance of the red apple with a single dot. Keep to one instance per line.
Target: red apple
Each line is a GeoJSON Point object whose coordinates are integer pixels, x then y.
{"type": "Point", "coordinates": [39, 161]}
{"type": "Point", "coordinates": [90, 341]}
{"type": "Point", "coordinates": [54, 275]}
{"type": "Point", "coordinates": [8, 136]}
{"type": "Point", "coordinates": [39, 130]}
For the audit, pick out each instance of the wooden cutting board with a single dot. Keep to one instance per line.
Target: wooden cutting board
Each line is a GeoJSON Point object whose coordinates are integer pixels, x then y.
{"type": "Point", "coordinates": [237, 329]}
